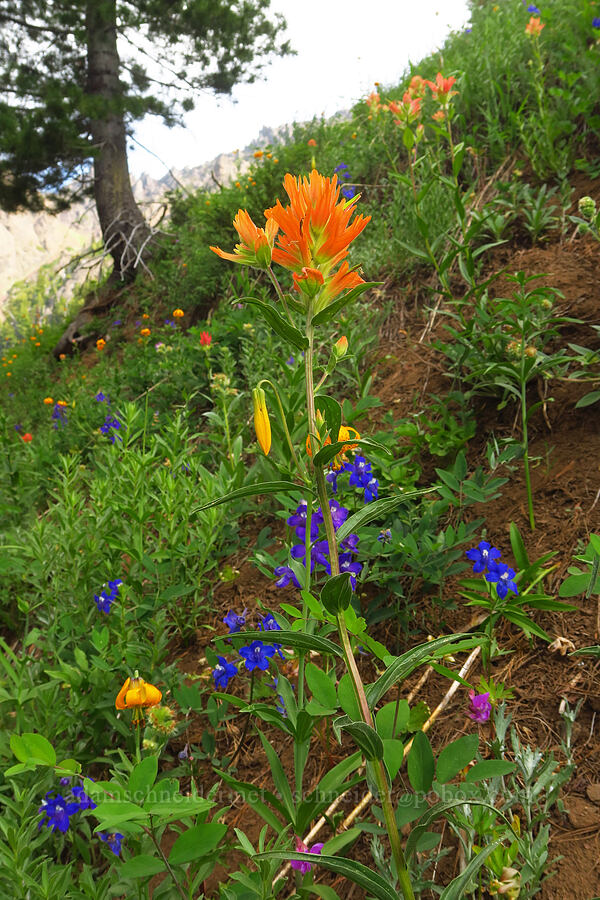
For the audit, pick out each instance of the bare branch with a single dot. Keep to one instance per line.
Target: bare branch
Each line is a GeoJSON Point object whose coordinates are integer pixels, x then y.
{"type": "Point", "coordinates": [65, 32]}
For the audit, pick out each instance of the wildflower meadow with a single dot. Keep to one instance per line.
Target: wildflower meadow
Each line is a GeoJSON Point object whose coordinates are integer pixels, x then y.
{"type": "Point", "coordinates": [301, 541]}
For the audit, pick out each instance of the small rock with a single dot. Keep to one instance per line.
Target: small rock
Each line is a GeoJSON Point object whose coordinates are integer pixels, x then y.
{"type": "Point", "coordinates": [582, 814]}
{"type": "Point", "coordinates": [593, 792]}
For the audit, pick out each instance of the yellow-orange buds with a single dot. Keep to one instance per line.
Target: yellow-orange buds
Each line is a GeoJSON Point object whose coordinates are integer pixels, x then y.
{"type": "Point", "coordinates": [48, 401]}
{"type": "Point", "coordinates": [137, 693]}
{"type": "Point", "coordinates": [340, 348]}
{"type": "Point", "coordinates": [100, 344]}
{"type": "Point", "coordinates": [145, 332]}
{"type": "Point", "coordinates": [178, 313]}
{"type": "Point", "coordinates": [262, 425]}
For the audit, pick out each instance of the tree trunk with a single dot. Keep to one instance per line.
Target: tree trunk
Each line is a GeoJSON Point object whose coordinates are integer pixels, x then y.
{"type": "Point", "coordinates": [124, 230]}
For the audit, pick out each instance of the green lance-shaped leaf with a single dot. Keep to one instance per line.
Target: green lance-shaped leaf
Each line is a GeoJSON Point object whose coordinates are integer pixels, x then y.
{"type": "Point", "coordinates": [372, 883]}
{"type": "Point", "coordinates": [421, 763]}
{"type": "Point", "coordinates": [296, 639]}
{"type": "Point", "coordinates": [401, 666]}
{"type": "Point", "coordinates": [327, 314]}
{"type": "Point", "coordinates": [364, 736]}
{"type": "Point", "coordinates": [332, 412]}
{"type": "Point", "coordinates": [142, 866]}
{"type": "Point", "coordinates": [142, 778]}
{"type": "Point", "coordinates": [336, 593]}
{"type": "Point", "coordinates": [33, 749]}
{"type": "Point", "coordinates": [277, 322]}
{"type": "Point", "coordinates": [196, 842]}
{"type": "Point", "coordinates": [321, 686]}
{"type": "Point", "coordinates": [380, 509]}
{"type": "Point", "coordinates": [252, 490]}
{"type": "Point", "coordinates": [455, 757]}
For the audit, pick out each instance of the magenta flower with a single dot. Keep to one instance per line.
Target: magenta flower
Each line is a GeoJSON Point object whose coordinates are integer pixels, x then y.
{"type": "Point", "coordinates": [301, 866]}
{"type": "Point", "coordinates": [480, 707]}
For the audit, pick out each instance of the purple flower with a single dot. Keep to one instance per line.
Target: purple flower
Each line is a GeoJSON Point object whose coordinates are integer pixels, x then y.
{"type": "Point", "coordinates": [105, 600]}
{"type": "Point", "coordinates": [480, 707]}
{"type": "Point", "coordinates": [482, 556]}
{"type": "Point", "coordinates": [223, 673]}
{"type": "Point", "coordinates": [298, 520]}
{"type": "Point", "coordinates": [596, 22]}
{"type": "Point", "coordinates": [301, 866]}
{"type": "Point", "coordinates": [339, 514]}
{"type": "Point", "coordinates": [347, 565]}
{"type": "Point", "coordinates": [111, 423]}
{"type": "Point", "coordinates": [185, 753]}
{"type": "Point", "coordinates": [234, 622]}
{"type": "Point", "coordinates": [57, 812]}
{"type": "Point", "coordinates": [100, 397]}
{"type": "Point", "coordinates": [269, 623]}
{"type": "Point", "coordinates": [257, 655]}
{"type": "Point", "coordinates": [385, 536]}
{"type": "Point", "coordinates": [113, 841]}
{"type": "Point", "coordinates": [371, 490]}
{"type": "Point", "coordinates": [85, 802]}
{"type": "Point", "coordinates": [350, 544]}
{"type": "Point", "coordinates": [532, 8]}
{"type": "Point", "coordinates": [290, 361]}
{"type": "Point", "coordinates": [503, 577]}
{"type": "Point", "coordinates": [285, 574]}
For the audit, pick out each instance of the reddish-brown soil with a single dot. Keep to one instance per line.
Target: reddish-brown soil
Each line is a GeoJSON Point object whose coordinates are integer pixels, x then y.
{"type": "Point", "coordinates": [566, 478]}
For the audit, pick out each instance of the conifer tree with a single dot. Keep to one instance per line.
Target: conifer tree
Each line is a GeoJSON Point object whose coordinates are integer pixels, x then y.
{"type": "Point", "coordinates": [76, 74]}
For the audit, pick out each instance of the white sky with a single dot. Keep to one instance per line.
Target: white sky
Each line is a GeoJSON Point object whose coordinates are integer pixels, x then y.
{"type": "Point", "coordinates": [343, 47]}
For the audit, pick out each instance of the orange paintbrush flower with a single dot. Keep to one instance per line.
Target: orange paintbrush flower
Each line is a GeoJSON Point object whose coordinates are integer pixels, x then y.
{"type": "Point", "coordinates": [315, 227]}
{"type": "Point", "coordinates": [137, 694]}
{"type": "Point", "coordinates": [255, 244]}
{"type": "Point", "coordinates": [440, 88]}
{"type": "Point", "coordinates": [534, 26]}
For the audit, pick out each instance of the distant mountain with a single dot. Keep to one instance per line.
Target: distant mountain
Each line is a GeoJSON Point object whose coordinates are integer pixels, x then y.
{"type": "Point", "coordinates": [31, 240]}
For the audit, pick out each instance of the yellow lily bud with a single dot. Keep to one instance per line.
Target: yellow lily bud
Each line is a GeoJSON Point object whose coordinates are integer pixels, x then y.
{"type": "Point", "coordinates": [340, 348]}
{"type": "Point", "coordinates": [262, 426]}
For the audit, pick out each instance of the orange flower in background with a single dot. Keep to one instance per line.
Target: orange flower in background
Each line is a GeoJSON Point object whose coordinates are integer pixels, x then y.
{"type": "Point", "coordinates": [48, 401]}
{"type": "Point", "coordinates": [416, 87]}
{"type": "Point", "coordinates": [62, 356]}
{"type": "Point", "coordinates": [311, 142]}
{"type": "Point", "coordinates": [407, 111]}
{"type": "Point", "coordinates": [344, 434]}
{"type": "Point", "coordinates": [100, 344]}
{"type": "Point", "coordinates": [145, 332]}
{"type": "Point", "coordinates": [441, 88]}
{"type": "Point", "coordinates": [205, 339]}
{"type": "Point", "coordinates": [256, 244]}
{"type": "Point", "coordinates": [534, 26]}
{"type": "Point", "coordinates": [61, 403]}
{"type": "Point", "coordinates": [145, 316]}
{"type": "Point", "coordinates": [257, 154]}
{"type": "Point", "coordinates": [27, 437]}
{"type": "Point", "coordinates": [137, 694]}
{"type": "Point", "coordinates": [439, 116]}
{"type": "Point", "coordinates": [178, 313]}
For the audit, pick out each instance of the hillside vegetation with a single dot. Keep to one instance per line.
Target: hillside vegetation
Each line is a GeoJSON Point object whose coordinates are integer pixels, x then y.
{"type": "Point", "coordinates": [448, 448]}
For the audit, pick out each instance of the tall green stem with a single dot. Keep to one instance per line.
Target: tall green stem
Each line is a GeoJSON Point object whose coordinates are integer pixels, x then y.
{"type": "Point", "coordinates": [526, 454]}
{"type": "Point", "coordinates": [359, 689]}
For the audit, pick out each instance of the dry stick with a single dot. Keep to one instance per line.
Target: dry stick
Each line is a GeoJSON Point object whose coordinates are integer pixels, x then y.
{"type": "Point", "coordinates": [369, 796]}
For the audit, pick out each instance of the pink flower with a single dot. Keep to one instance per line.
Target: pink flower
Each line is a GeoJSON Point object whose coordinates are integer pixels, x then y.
{"type": "Point", "coordinates": [301, 866]}
{"type": "Point", "coordinates": [480, 707]}
{"type": "Point", "coordinates": [205, 339]}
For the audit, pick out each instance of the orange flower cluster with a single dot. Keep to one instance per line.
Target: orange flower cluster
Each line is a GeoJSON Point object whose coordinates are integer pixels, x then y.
{"type": "Point", "coordinates": [313, 234]}
{"type": "Point", "coordinates": [344, 434]}
{"type": "Point", "coordinates": [534, 26]}
{"type": "Point", "coordinates": [137, 693]}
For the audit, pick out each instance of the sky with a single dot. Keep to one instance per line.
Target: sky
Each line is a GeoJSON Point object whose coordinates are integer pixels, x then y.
{"type": "Point", "coordinates": [343, 47]}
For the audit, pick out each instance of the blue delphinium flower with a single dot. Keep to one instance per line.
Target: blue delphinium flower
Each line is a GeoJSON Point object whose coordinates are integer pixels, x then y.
{"type": "Point", "coordinates": [339, 514]}
{"type": "Point", "coordinates": [290, 361]}
{"type": "Point", "coordinates": [532, 8]}
{"type": "Point", "coordinates": [348, 565]}
{"type": "Point", "coordinates": [284, 575]}
{"type": "Point", "coordinates": [270, 623]}
{"type": "Point", "coordinates": [59, 414]}
{"type": "Point", "coordinates": [371, 490]}
{"type": "Point", "coordinates": [350, 544]}
{"type": "Point", "coordinates": [596, 22]}
{"type": "Point", "coordinates": [113, 841]}
{"type": "Point", "coordinates": [482, 556]}
{"type": "Point", "coordinates": [101, 398]}
{"type": "Point", "coordinates": [361, 477]}
{"type": "Point", "coordinates": [85, 802]}
{"type": "Point", "coordinates": [223, 672]}
{"type": "Point", "coordinates": [107, 427]}
{"type": "Point", "coordinates": [257, 655]}
{"type": "Point", "coordinates": [347, 191]}
{"type": "Point", "coordinates": [503, 577]}
{"type": "Point", "coordinates": [298, 520]}
{"type": "Point", "coordinates": [234, 622]}
{"type": "Point", "coordinates": [57, 812]}
{"type": "Point", "coordinates": [105, 599]}
{"type": "Point", "coordinates": [385, 536]}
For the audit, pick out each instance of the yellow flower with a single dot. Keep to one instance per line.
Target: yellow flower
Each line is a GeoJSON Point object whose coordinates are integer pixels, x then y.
{"type": "Point", "coordinates": [137, 693]}
{"type": "Point", "coordinates": [262, 425]}
{"type": "Point", "coordinates": [62, 355]}
{"type": "Point", "coordinates": [60, 403]}
{"type": "Point", "coordinates": [257, 154]}
{"type": "Point", "coordinates": [145, 316]}
{"type": "Point", "coordinates": [100, 343]}
{"type": "Point", "coordinates": [48, 401]}
{"type": "Point", "coordinates": [145, 332]}
{"type": "Point", "coordinates": [178, 313]}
